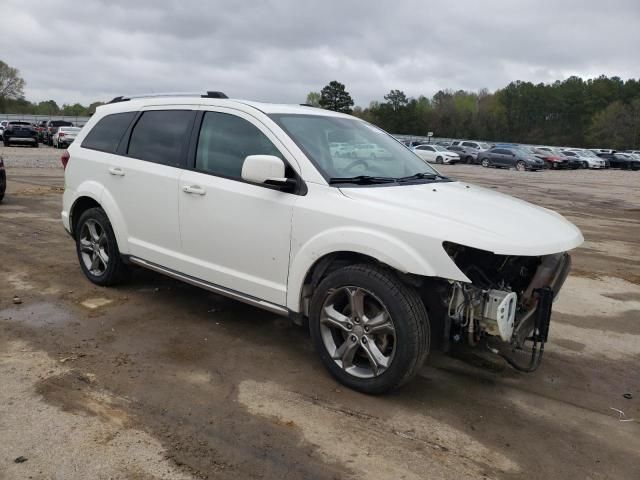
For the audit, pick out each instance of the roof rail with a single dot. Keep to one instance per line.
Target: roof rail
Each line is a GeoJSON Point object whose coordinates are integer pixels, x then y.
{"type": "Point", "coordinates": [209, 94]}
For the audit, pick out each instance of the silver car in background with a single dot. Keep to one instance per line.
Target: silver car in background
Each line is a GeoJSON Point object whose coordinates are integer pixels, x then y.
{"type": "Point", "coordinates": [64, 136]}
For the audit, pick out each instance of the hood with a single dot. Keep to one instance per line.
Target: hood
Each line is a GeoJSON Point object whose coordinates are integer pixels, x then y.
{"type": "Point", "coordinates": [469, 215]}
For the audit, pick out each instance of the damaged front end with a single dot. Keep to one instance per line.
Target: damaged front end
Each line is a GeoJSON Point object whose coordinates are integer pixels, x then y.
{"type": "Point", "coordinates": [507, 305]}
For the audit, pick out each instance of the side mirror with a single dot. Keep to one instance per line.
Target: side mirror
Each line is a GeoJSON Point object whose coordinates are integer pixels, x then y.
{"type": "Point", "coordinates": [267, 169]}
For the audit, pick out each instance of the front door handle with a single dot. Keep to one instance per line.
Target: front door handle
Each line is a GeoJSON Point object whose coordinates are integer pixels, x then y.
{"type": "Point", "coordinates": [194, 189]}
{"type": "Point", "coordinates": [116, 171]}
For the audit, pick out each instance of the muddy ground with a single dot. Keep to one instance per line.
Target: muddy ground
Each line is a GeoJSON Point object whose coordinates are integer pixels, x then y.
{"type": "Point", "coordinates": [158, 379]}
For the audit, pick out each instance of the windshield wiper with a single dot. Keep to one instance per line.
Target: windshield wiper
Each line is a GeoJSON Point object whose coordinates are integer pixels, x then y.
{"type": "Point", "coordinates": [422, 176]}
{"type": "Point", "coordinates": [361, 180]}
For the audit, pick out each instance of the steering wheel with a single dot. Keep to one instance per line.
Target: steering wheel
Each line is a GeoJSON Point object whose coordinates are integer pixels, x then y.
{"type": "Point", "coordinates": [354, 164]}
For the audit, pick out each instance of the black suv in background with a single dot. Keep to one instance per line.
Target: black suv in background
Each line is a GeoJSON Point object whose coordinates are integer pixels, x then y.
{"type": "Point", "coordinates": [20, 132]}
{"type": "Point", "coordinates": [50, 128]}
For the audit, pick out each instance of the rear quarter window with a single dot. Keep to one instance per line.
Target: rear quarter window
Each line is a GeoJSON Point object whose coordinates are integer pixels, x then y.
{"type": "Point", "coordinates": [107, 133]}
{"type": "Point", "coordinates": [161, 136]}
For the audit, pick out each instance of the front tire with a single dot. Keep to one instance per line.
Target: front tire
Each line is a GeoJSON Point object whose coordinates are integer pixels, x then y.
{"type": "Point", "coordinates": [97, 249]}
{"type": "Point", "coordinates": [521, 166]}
{"type": "Point", "coordinates": [485, 163]}
{"type": "Point", "coordinates": [439, 160]}
{"type": "Point", "coordinates": [370, 329]}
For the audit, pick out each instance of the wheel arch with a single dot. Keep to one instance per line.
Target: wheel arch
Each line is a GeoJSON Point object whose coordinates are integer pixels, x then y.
{"type": "Point", "coordinates": [343, 247]}
{"type": "Point", "coordinates": [89, 198]}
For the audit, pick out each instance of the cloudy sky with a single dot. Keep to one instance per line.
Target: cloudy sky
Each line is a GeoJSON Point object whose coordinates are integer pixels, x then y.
{"type": "Point", "coordinates": [279, 50]}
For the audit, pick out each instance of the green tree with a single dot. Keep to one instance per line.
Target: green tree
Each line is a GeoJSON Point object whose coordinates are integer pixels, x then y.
{"type": "Point", "coordinates": [11, 84]}
{"type": "Point", "coordinates": [397, 99]}
{"type": "Point", "coordinates": [616, 126]}
{"type": "Point", "coordinates": [334, 97]}
{"type": "Point", "coordinates": [48, 107]}
{"type": "Point", "coordinates": [75, 110]}
{"type": "Point", "coordinates": [313, 99]}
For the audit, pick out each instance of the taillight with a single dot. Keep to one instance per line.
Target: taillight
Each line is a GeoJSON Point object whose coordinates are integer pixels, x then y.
{"type": "Point", "coordinates": [61, 134]}
{"type": "Point", "coordinates": [65, 158]}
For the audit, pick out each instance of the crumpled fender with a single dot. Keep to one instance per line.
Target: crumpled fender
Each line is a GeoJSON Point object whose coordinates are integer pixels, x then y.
{"type": "Point", "coordinates": [374, 243]}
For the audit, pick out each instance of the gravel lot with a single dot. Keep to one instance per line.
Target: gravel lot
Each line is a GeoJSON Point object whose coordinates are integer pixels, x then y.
{"type": "Point", "coordinates": [158, 379]}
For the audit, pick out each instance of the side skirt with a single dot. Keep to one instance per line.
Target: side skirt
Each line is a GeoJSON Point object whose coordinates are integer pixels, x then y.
{"type": "Point", "coordinates": [248, 299]}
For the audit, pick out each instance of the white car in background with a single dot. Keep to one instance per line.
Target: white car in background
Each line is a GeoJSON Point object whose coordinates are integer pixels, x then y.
{"type": "Point", "coordinates": [587, 158]}
{"type": "Point", "coordinates": [369, 150]}
{"type": "Point", "coordinates": [436, 154]}
{"type": "Point", "coordinates": [64, 136]}
{"type": "Point", "coordinates": [3, 125]}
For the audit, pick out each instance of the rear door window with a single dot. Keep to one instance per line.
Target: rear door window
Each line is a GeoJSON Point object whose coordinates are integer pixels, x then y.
{"type": "Point", "coordinates": [161, 136]}
{"type": "Point", "coordinates": [107, 133]}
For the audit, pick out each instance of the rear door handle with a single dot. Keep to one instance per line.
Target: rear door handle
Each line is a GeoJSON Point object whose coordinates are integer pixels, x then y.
{"type": "Point", "coordinates": [194, 189]}
{"type": "Point", "coordinates": [116, 171]}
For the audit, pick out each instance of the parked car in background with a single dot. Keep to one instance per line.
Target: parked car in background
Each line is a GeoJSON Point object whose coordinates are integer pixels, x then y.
{"type": "Point", "coordinates": [466, 154]}
{"type": "Point", "coordinates": [625, 161]}
{"type": "Point", "coordinates": [3, 178]}
{"type": "Point", "coordinates": [3, 125]}
{"type": "Point", "coordinates": [585, 160]}
{"type": "Point", "coordinates": [47, 134]}
{"type": "Point", "coordinates": [436, 154]}
{"type": "Point", "coordinates": [479, 146]}
{"type": "Point", "coordinates": [592, 154]}
{"type": "Point", "coordinates": [64, 136]}
{"type": "Point", "coordinates": [40, 128]}
{"type": "Point", "coordinates": [552, 160]}
{"type": "Point", "coordinates": [21, 133]}
{"type": "Point", "coordinates": [572, 162]}
{"type": "Point", "coordinates": [517, 158]}
{"type": "Point", "coordinates": [370, 150]}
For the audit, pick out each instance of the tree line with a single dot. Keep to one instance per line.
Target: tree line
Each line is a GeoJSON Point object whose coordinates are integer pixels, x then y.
{"type": "Point", "coordinates": [599, 112]}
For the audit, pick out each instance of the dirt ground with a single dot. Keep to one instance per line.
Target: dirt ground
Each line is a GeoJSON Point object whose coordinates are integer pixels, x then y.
{"type": "Point", "coordinates": [158, 379]}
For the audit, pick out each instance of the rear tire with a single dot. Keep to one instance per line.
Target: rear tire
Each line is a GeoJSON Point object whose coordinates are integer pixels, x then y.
{"type": "Point", "coordinates": [375, 344]}
{"type": "Point", "coordinates": [97, 249]}
{"type": "Point", "coordinates": [521, 166]}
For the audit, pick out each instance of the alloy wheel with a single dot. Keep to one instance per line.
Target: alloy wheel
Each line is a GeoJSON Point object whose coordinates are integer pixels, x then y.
{"type": "Point", "coordinates": [358, 332]}
{"type": "Point", "coordinates": [93, 247]}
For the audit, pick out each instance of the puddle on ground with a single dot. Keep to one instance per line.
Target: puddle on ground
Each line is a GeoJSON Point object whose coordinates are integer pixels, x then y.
{"type": "Point", "coordinates": [37, 315]}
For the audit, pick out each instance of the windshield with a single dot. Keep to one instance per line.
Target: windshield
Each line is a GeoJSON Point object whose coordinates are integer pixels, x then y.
{"type": "Point", "coordinates": [485, 146]}
{"type": "Point", "coordinates": [368, 152]}
{"type": "Point", "coordinates": [438, 148]}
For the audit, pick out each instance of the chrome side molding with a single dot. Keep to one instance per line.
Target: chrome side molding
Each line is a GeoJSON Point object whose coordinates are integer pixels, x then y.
{"type": "Point", "coordinates": [256, 302]}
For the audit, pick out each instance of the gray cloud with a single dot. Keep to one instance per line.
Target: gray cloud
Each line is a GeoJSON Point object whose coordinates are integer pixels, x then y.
{"type": "Point", "coordinates": [280, 50]}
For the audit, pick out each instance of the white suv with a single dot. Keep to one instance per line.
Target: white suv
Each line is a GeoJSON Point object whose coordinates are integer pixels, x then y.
{"type": "Point", "coordinates": [385, 258]}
